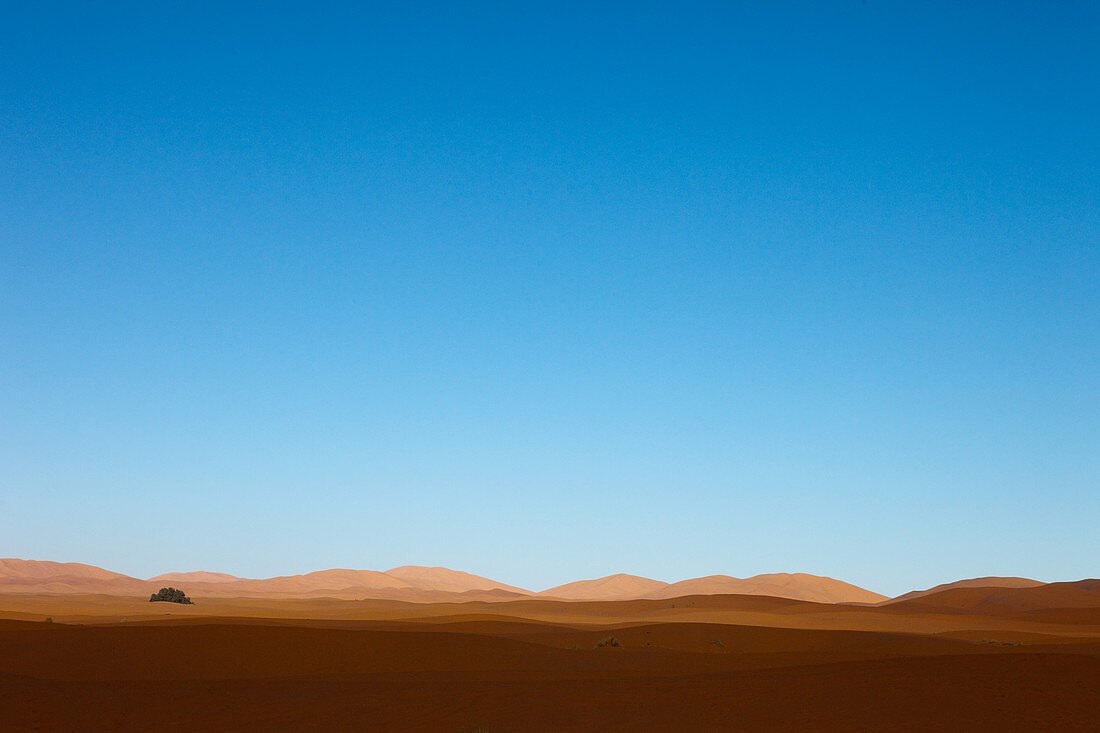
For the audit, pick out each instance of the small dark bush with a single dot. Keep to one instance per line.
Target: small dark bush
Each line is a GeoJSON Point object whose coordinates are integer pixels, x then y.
{"type": "Point", "coordinates": [608, 641]}
{"type": "Point", "coordinates": [169, 594]}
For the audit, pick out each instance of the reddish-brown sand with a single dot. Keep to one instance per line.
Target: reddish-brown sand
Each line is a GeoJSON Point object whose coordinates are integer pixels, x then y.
{"type": "Point", "coordinates": [1013, 660]}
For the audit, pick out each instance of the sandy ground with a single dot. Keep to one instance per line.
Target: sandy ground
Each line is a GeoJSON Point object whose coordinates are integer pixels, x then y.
{"type": "Point", "coordinates": [717, 663]}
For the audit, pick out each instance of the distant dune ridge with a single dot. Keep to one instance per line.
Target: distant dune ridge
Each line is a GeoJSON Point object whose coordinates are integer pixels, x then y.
{"type": "Point", "coordinates": [445, 579]}
{"type": "Point", "coordinates": [990, 582]}
{"type": "Point", "coordinates": [1056, 601]}
{"type": "Point", "coordinates": [618, 587]}
{"type": "Point", "coordinates": [43, 576]}
{"type": "Point", "coordinates": [199, 576]}
{"type": "Point", "coordinates": [409, 583]}
{"type": "Point", "coordinates": [438, 584]}
{"type": "Point", "coordinates": [799, 586]}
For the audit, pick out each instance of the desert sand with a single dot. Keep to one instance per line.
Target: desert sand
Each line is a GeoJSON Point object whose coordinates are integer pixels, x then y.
{"type": "Point", "coordinates": [415, 583]}
{"type": "Point", "coordinates": [964, 658]}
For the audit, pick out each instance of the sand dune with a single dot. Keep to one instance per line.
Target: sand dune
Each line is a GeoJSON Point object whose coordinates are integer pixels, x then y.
{"type": "Point", "coordinates": [1006, 601]}
{"type": "Point", "coordinates": [43, 576]}
{"type": "Point", "coordinates": [323, 581]}
{"type": "Point", "coordinates": [31, 576]}
{"type": "Point", "coordinates": [989, 582]}
{"type": "Point", "coordinates": [198, 576]}
{"type": "Point", "coordinates": [694, 663]}
{"type": "Point", "coordinates": [610, 588]}
{"type": "Point", "coordinates": [799, 586]}
{"type": "Point", "coordinates": [409, 583]}
{"type": "Point", "coordinates": [445, 579]}
{"type": "Point", "coordinates": [15, 568]}
{"type": "Point", "coordinates": [534, 664]}
{"type": "Point", "coordinates": [337, 583]}
{"type": "Point", "coordinates": [419, 584]}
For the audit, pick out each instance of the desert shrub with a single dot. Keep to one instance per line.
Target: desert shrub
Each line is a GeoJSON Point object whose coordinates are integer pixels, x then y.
{"type": "Point", "coordinates": [608, 641]}
{"type": "Point", "coordinates": [172, 595]}
{"type": "Point", "coordinates": [49, 619]}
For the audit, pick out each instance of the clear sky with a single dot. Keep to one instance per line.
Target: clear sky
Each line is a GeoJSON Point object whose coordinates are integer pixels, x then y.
{"type": "Point", "coordinates": [547, 292]}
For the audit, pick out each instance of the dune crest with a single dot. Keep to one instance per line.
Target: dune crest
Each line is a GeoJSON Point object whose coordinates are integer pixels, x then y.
{"type": "Point", "coordinates": [618, 587]}
{"type": "Point", "coordinates": [196, 576]}
{"type": "Point", "coordinates": [987, 582]}
{"type": "Point", "coordinates": [424, 584]}
{"type": "Point", "coordinates": [445, 579]}
{"type": "Point", "coordinates": [798, 586]}
{"type": "Point", "coordinates": [44, 576]}
{"type": "Point", "coordinates": [1005, 601]}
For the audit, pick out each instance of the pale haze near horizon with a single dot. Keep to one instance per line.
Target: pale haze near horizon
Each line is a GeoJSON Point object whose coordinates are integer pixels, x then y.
{"type": "Point", "coordinates": [553, 292]}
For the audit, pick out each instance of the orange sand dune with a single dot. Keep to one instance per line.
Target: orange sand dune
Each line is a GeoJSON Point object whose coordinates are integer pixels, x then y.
{"type": "Point", "coordinates": [198, 576]}
{"type": "Point", "coordinates": [321, 582]}
{"type": "Point", "coordinates": [1082, 594]}
{"type": "Point", "coordinates": [799, 586]}
{"type": "Point", "coordinates": [14, 568]}
{"type": "Point", "coordinates": [784, 585]}
{"type": "Point", "coordinates": [989, 582]}
{"type": "Point", "coordinates": [610, 588]}
{"type": "Point", "coordinates": [425, 585]}
{"type": "Point", "coordinates": [445, 579]}
{"type": "Point", "coordinates": [42, 576]}
{"type": "Point", "coordinates": [411, 583]}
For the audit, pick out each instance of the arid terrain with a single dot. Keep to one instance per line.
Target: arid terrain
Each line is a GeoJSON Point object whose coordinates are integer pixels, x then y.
{"type": "Point", "coordinates": [991, 654]}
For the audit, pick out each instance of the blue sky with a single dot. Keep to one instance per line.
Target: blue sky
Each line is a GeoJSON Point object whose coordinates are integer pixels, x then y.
{"type": "Point", "coordinates": [546, 292]}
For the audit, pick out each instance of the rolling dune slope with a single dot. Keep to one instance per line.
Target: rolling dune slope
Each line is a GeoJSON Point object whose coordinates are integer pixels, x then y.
{"type": "Point", "coordinates": [989, 582]}
{"type": "Point", "coordinates": [43, 576]}
{"type": "Point", "coordinates": [620, 586]}
{"type": "Point", "coordinates": [420, 584]}
{"type": "Point", "coordinates": [799, 586]}
{"type": "Point", "coordinates": [445, 579]}
{"type": "Point", "coordinates": [198, 576]}
{"type": "Point", "coordinates": [1081, 594]}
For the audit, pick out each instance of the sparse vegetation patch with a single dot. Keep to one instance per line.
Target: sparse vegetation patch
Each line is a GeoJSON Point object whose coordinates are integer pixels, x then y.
{"type": "Point", "coordinates": [171, 595]}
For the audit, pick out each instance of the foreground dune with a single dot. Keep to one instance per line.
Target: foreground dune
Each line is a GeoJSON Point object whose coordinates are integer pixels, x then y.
{"type": "Point", "coordinates": [699, 663]}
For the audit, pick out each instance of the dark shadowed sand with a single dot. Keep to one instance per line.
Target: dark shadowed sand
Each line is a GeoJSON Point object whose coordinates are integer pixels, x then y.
{"type": "Point", "coordinates": [702, 663]}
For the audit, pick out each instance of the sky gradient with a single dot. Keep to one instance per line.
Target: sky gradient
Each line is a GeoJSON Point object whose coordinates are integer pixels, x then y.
{"type": "Point", "coordinates": [548, 292]}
